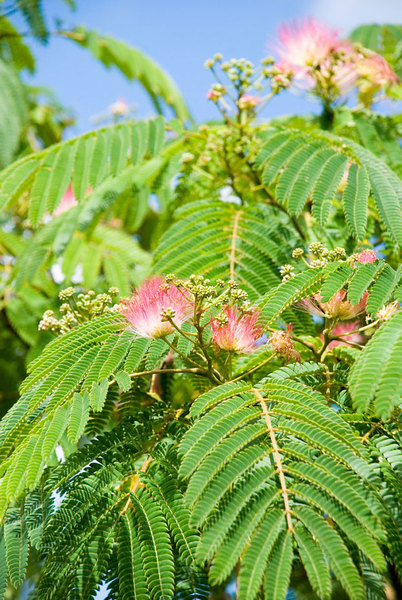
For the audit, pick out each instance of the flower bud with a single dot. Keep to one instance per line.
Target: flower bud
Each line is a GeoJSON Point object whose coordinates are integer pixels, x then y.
{"type": "Point", "coordinates": [297, 253]}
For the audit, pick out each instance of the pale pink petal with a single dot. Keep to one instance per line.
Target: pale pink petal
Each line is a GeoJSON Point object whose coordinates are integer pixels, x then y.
{"type": "Point", "coordinates": [144, 309]}
{"type": "Point", "coordinates": [367, 256]}
{"type": "Point", "coordinates": [239, 334]}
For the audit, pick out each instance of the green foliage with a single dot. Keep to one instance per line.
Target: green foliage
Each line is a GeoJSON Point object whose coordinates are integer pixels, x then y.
{"type": "Point", "coordinates": [254, 437]}
{"type": "Point", "coordinates": [221, 240]}
{"type": "Point", "coordinates": [233, 474]}
{"type": "Point", "coordinates": [13, 110]}
{"type": "Point", "coordinates": [375, 375]}
{"type": "Point", "coordinates": [288, 157]}
{"type": "Point", "coordinates": [146, 515]}
{"type": "Point", "coordinates": [86, 161]}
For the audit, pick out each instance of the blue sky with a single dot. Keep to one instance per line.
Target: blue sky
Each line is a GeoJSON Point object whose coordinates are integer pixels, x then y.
{"type": "Point", "coordinates": [180, 35]}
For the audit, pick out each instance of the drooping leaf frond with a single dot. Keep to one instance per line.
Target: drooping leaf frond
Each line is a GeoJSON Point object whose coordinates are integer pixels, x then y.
{"type": "Point", "coordinates": [376, 376]}
{"type": "Point", "coordinates": [67, 381]}
{"type": "Point", "coordinates": [223, 240]}
{"type": "Point", "coordinates": [300, 165]}
{"type": "Point", "coordinates": [141, 513]}
{"type": "Point", "coordinates": [13, 112]}
{"type": "Point", "coordinates": [265, 467]}
{"type": "Point", "coordinates": [88, 161]}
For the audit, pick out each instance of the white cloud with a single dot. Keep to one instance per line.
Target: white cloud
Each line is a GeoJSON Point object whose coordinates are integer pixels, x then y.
{"type": "Point", "coordinates": [347, 14]}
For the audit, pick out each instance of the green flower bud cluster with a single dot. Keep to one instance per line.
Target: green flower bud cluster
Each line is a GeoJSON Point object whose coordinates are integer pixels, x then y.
{"type": "Point", "coordinates": [318, 263]}
{"type": "Point", "coordinates": [287, 272]}
{"type": "Point", "coordinates": [78, 308]}
{"type": "Point", "coordinates": [316, 248]}
{"type": "Point", "coordinates": [246, 79]}
{"type": "Point", "coordinates": [297, 253]}
{"type": "Point", "coordinates": [210, 62]}
{"type": "Point", "coordinates": [211, 295]}
{"type": "Point", "coordinates": [319, 257]}
{"type": "Point", "coordinates": [322, 255]}
{"type": "Point", "coordinates": [168, 314]}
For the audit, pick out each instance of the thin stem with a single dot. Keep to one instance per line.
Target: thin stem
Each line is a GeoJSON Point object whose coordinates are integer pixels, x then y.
{"type": "Point", "coordinates": [265, 362]}
{"type": "Point", "coordinates": [198, 371]}
{"type": "Point", "coordinates": [184, 357]}
{"type": "Point", "coordinates": [277, 458]}
{"type": "Point", "coordinates": [135, 482]}
{"type": "Point", "coordinates": [263, 104]}
{"type": "Point", "coordinates": [214, 376]}
{"type": "Point", "coordinates": [366, 436]}
{"type": "Point", "coordinates": [328, 383]}
{"type": "Point", "coordinates": [369, 326]}
{"type": "Point", "coordinates": [183, 333]}
{"type": "Point", "coordinates": [230, 360]}
{"type": "Point", "coordinates": [340, 339]}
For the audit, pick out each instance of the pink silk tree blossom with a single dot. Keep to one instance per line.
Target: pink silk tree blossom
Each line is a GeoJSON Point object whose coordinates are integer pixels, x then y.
{"type": "Point", "coordinates": [366, 256]}
{"type": "Point", "coordinates": [246, 101]}
{"type": "Point", "coordinates": [67, 202]}
{"type": "Point", "coordinates": [240, 332]}
{"type": "Point", "coordinates": [375, 69]}
{"type": "Point", "coordinates": [336, 308]}
{"type": "Point", "coordinates": [345, 328]}
{"type": "Point", "coordinates": [386, 312]}
{"type": "Point", "coordinates": [306, 42]}
{"type": "Point", "coordinates": [144, 310]}
{"type": "Point", "coordinates": [282, 343]}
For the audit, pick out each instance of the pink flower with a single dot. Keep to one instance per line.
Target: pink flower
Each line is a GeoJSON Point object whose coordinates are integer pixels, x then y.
{"type": "Point", "coordinates": [282, 343]}
{"type": "Point", "coordinates": [144, 309]}
{"type": "Point", "coordinates": [67, 202]}
{"type": "Point", "coordinates": [213, 95]}
{"type": "Point", "coordinates": [318, 58]}
{"type": "Point", "coordinates": [336, 308]}
{"type": "Point", "coordinates": [239, 333]}
{"type": "Point", "coordinates": [306, 42]}
{"type": "Point", "coordinates": [366, 256]}
{"type": "Point", "coordinates": [343, 66]}
{"type": "Point", "coordinates": [248, 102]}
{"type": "Point", "coordinates": [375, 69]}
{"type": "Point", "coordinates": [119, 108]}
{"type": "Point", "coordinates": [342, 328]}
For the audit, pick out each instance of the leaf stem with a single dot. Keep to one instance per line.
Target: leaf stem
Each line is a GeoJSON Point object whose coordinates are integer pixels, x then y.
{"type": "Point", "coordinates": [277, 458]}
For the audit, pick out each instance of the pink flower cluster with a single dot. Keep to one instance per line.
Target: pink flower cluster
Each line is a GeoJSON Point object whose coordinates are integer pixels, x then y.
{"type": "Point", "coordinates": [248, 102]}
{"type": "Point", "coordinates": [344, 331]}
{"type": "Point", "coordinates": [336, 308]}
{"type": "Point", "coordinates": [306, 43]}
{"type": "Point", "coordinates": [375, 69]}
{"type": "Point", "coordinates": [366, 256]}
{"type": "Point", "coordinates": [144, 310]}
{"type": "Point", "coordinates": [67, 202]}
{"type": "Point", "coordinates": [147, 308]}
{"type": "Point", "coordinates": [239, 333]}
{"type": "Point", "coordinates": [283, 344]}
{"type": "Point", "coordinates": [320, 60]}
{"type": "Point", "coordinates": [120, 108]}
{"type": "Point", "coordinates": [213, 95]}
